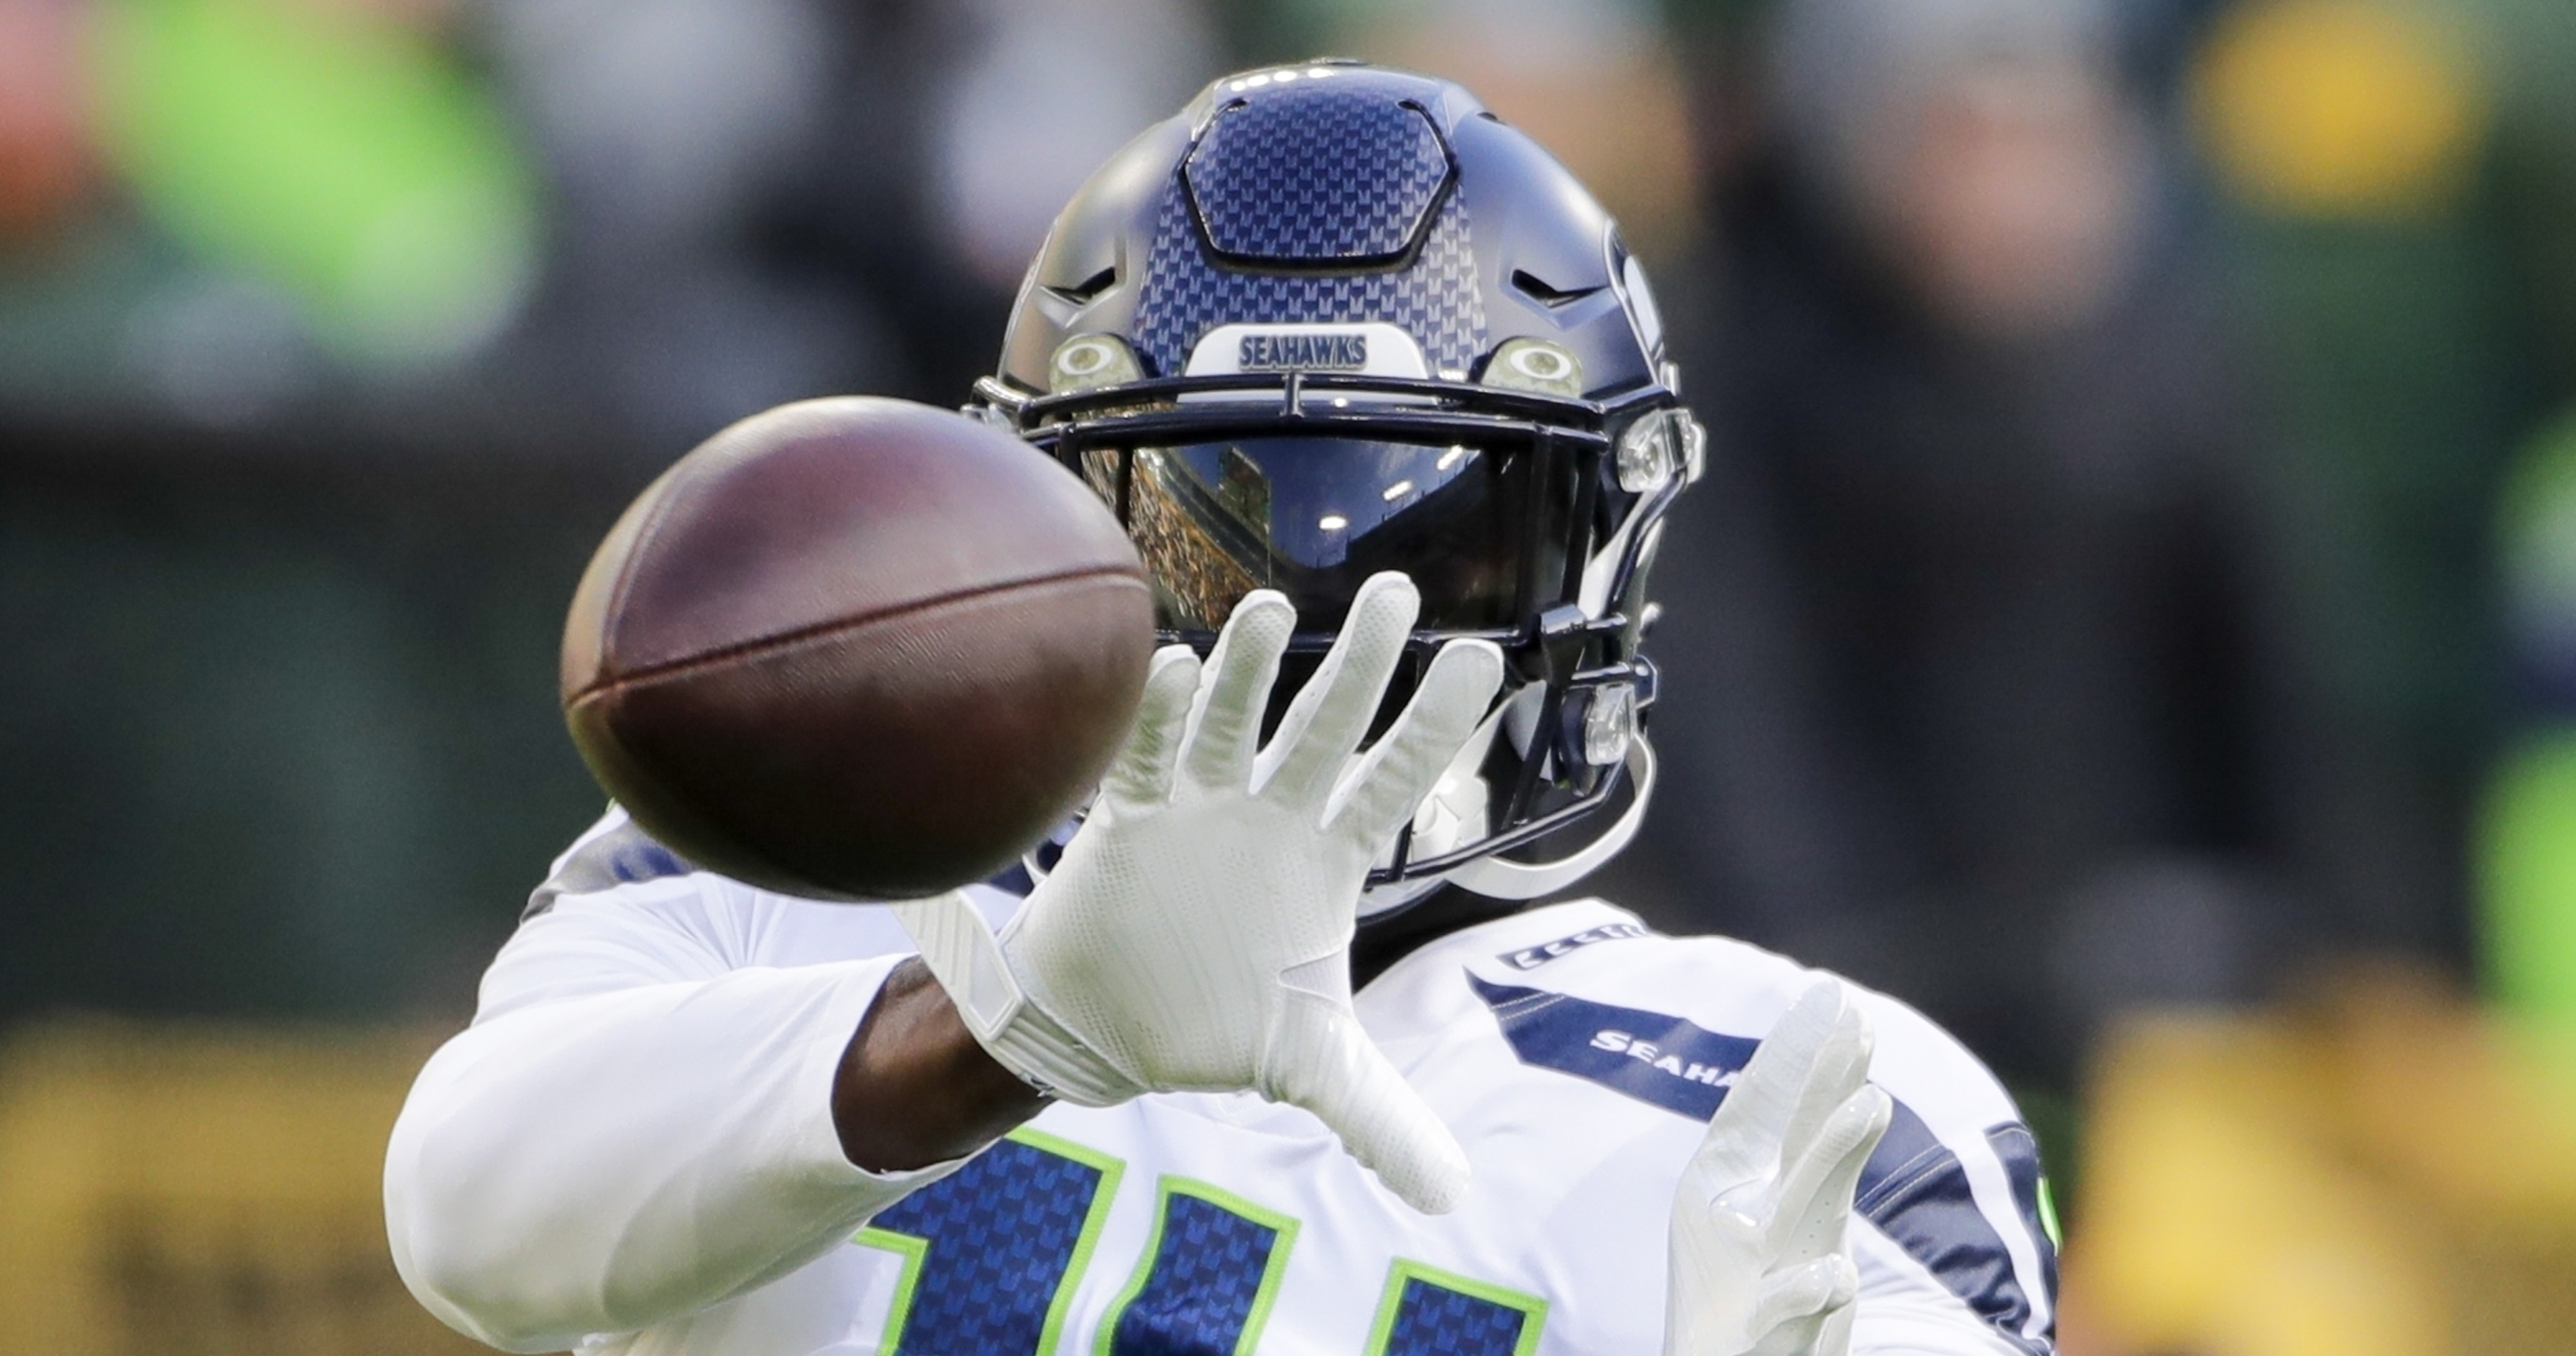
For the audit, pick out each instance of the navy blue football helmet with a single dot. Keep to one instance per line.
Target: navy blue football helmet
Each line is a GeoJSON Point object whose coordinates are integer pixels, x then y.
{"type": "Point", "coordinates": [1335, 319]}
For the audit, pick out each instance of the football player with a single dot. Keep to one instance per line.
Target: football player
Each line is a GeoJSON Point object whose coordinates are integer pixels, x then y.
{"type": "Point", "coordinates": [1270, 1053]}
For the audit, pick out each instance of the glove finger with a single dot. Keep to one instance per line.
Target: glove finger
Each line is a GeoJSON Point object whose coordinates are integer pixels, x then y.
{"type": "Point", "coordinates": [1234, 690]}
{"type": "Point", "coordinates": [1744, 1137]}
{"type": "Point", "coordinates": [1839, 1069]}
{"type": "Point", "coordinates": [1833, 1334]}
{"type": "Point", "coordinates": [1142, 772]}
{"type": "Point", "coordinates": [1300, 714]}
{"type": "Point", "coordinates": [1383, 792]}
{"type": "Point", "coordinates": [1333, 711]}
{"type": "Point", "coordinates": [1326, 1064]}
{"type": "Point", "coordinates": [1816, 1194]}
{"type": "Point", "coordinates": [1802, 1294]}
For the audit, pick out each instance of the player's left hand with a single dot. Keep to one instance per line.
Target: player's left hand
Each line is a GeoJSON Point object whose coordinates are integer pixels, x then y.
{"type": "Point", "coordinates": [1760, 1261]}
{"type": "Point", "coordinates": [1195, 935]}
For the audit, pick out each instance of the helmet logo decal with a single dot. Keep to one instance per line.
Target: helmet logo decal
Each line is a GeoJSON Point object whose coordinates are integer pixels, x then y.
{"type": "Point", "coordinates": [1326, 352]}
{"type": "Point", "coordinates": [1371, 348]}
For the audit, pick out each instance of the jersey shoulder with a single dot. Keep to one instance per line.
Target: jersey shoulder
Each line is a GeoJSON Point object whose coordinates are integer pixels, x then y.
{"type": "Point", "coordinates": [618, 909]}
{"type": "Point", "coordinates": [1588, 957]}
{"type": "Point", "coordinates": [1955, 1190]}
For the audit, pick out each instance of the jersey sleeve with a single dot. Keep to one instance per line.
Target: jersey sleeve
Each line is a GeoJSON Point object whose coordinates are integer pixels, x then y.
{"type": "Point", "coordinates": [1958, 1252]}
{"type": "Point", "coordinates": [638, 1123]}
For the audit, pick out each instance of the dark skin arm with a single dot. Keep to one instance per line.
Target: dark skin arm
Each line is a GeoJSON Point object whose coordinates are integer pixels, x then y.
{"type": "Point", "coordinates": [914, 1088]}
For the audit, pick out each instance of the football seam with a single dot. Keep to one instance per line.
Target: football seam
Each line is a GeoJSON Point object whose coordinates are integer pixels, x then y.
{"type": "Point", "coordinates": [631, 566]}
{"type": "Point", "coordinates": [670, 667]}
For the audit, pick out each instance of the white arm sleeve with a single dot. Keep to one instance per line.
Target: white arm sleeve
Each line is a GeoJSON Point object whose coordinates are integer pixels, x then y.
{"type": "Point", "coordinates": [637, 1126]}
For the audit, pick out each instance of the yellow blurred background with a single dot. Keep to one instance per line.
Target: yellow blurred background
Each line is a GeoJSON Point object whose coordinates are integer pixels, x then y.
{"type": "Point", "coordinates": [203, 1189]}
{"type": "Point", "coordinates": [2378, 1168]}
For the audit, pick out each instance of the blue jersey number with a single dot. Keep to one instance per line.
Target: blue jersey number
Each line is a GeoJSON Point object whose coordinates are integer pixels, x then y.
{"type": "Point", "coordinates": [992, 1253]}
{"type": "Point", "coordinates": [992, 1256]}
{"type": "Point", "coordinates": [1429, 1312]}
{"type": "Point", "coordinates": [1207, 1279]}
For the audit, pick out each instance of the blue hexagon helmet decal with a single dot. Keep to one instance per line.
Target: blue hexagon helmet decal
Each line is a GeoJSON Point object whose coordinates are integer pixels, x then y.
{"type": "Point", "coordinates": [1318, 174]}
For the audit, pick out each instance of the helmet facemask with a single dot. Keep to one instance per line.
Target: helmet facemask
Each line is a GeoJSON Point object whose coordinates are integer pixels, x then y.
{"type": "Point", "coordinates": [1525, 520]}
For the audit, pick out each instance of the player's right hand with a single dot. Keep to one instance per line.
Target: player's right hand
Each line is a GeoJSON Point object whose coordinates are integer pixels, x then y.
{"type": "Point", "coordinates": [1760, 1261]}
{"type": "Point", "coordinates": [1196, 933]}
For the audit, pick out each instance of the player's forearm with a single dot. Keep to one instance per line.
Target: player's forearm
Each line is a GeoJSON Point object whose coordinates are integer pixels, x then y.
{"type": "Point", "coordinates": [914, 1088]}
{"type": "Point", "coordinates": [605, 1163]}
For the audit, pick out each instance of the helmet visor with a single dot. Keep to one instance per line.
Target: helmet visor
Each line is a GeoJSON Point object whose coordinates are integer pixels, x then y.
{"type": "Point", "coordinates": [1314, 517]}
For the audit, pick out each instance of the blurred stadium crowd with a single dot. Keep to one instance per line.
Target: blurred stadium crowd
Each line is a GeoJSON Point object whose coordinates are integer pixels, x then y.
{"type": "Point", "coordinates": [2131, 613]}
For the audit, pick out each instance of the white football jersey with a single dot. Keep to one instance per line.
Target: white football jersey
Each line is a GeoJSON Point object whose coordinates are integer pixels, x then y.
{"type": "Point", "coordinates": [631, 1151]}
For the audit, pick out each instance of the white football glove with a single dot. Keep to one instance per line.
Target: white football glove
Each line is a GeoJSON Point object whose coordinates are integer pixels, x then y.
{"type": "Point", "coordinates": [1760, 1265]}
{"type": "Point", "coordinates": [1196, 933]}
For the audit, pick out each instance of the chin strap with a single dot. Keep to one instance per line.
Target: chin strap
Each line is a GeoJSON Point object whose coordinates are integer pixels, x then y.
{"type": "Point", "coordinates": [1496, 878]}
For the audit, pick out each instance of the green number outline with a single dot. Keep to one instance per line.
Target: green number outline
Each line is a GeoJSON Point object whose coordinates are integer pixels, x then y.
{"type": "Point", "coordinates": [1272, 1272]}
{"type": "Point", "coordinates": [914, 1248]}
{"type": "Point", "coordinates": [1533, 1308]}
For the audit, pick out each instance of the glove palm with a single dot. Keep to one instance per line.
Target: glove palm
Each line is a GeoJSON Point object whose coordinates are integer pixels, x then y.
{"type": "Point", "coordinates": [1195, 934]}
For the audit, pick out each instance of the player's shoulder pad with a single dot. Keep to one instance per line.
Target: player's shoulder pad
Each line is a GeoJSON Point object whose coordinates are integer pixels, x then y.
{"type": "Point", "coordinates": [1672, 1021]}
{"type": "Point", "coordinates": [613, 852]}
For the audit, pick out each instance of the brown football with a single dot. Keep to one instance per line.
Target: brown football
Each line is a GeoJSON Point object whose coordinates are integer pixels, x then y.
{"type": "Point", "coordinates": [857, 649]}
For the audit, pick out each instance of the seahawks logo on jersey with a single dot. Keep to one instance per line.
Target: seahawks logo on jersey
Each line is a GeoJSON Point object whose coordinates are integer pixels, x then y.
{"type": "Point", "coordinates": [1914, 1188]}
